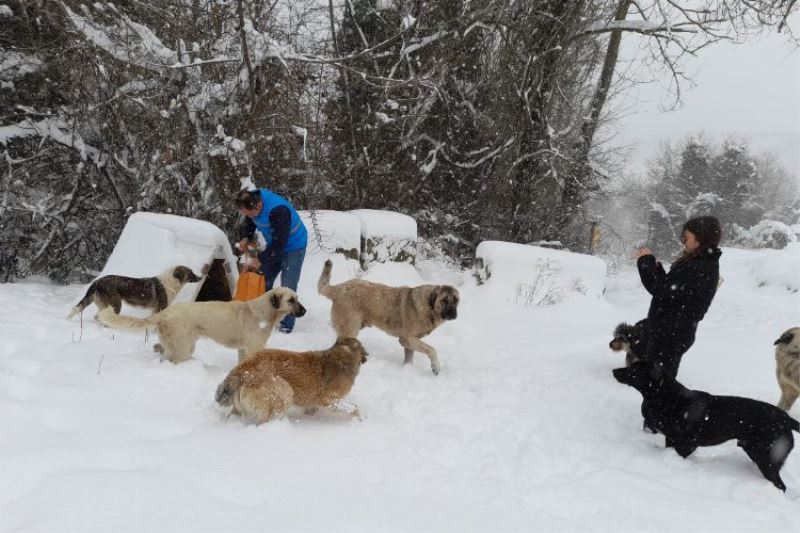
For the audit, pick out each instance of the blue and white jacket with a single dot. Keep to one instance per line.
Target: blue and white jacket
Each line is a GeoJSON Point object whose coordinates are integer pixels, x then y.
{"type": "Point", "coordinates": [281, 227]}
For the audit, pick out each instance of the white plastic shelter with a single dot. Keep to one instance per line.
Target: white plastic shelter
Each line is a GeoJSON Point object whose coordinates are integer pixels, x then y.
{"type": "Point", "coordinates": [152, 242]}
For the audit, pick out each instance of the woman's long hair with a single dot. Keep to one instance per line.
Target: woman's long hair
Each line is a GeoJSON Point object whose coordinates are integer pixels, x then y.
{"type": "Point", "coordinates": [708, 232]}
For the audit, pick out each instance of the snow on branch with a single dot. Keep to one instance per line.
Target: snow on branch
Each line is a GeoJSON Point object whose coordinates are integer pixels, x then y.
{"type": "Point", "coordinates": [638, 26]}
{"type": "Point", "coordinates": [54, 129]}
{"type": "Point", "coordinates": [127, 41]}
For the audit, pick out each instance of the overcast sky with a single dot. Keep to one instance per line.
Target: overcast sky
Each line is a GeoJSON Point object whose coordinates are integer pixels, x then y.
{"type": "Point", "coordinates": [751, 90]}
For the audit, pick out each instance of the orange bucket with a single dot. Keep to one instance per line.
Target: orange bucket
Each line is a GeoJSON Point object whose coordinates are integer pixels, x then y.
{"type": "Point", "coordinates": [250, 285]}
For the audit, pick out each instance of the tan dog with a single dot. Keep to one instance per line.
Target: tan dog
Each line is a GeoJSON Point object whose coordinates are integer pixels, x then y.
{"type": "Point", "coordinates": [267, 383]}
{"type": "Point", "coordinates": [408, 313]}
{"type": "Point", "coordinates": [787, 367]}
{"type": "Point", "coordinates": [243, 325]}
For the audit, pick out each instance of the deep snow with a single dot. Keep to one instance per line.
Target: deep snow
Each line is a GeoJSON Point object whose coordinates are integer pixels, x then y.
{"type": "Point", "coordinates": [524, 429]}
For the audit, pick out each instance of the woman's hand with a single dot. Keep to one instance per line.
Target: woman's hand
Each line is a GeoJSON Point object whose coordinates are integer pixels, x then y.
{"type": "Point", "coordinates": [641, 252]}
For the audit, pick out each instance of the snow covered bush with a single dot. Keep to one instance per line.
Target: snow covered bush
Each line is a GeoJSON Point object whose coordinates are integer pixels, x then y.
{"type": "Point", "coordinates": [765, 234]}
{"type": "Point", "coordinates": [542, 288]}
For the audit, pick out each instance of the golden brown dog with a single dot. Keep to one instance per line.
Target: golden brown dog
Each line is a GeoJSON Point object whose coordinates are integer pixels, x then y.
{"type": "Point", "coordinates": [787, 367]}
{"type": "Point", "coordinates": [244, 325]}
{"type": "Point", "coordinates": [267, 383]}
{"type": "Point", "coordinates": [408, 313]}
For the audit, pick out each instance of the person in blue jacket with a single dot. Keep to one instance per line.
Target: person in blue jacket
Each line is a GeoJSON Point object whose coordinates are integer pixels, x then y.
{"type": "Point", "coordinates": [682, 296]}
{"type": "Point", "coordinates": [285, 234]}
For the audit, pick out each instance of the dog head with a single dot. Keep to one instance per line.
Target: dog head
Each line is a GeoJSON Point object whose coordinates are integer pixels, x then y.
{"type": "Point", "coordinates": [184, 275]}
{"type": "Point", "coordinates": [641, 375]}
{"type": "Point", "coordinates": [443, 299]}
{"type": "Point", "coordinates": [354, 347]}
{"type": "Point", "coordinates": [788, 336]}
{"type": "Point", "coordinates": [623, 338]}
{"type": "Point", "coordinates": [283, 299]}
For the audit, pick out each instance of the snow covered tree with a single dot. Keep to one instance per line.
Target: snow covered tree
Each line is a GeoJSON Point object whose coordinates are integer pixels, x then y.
{"type": "Point", "coordinates": [736, 182]}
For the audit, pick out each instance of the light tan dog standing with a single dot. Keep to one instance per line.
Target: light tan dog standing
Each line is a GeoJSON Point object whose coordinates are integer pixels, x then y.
{"type": "Point", "coordinates": [787, 367]}
{"type": "Point", "coordinates": [267, 383]}
{"type": "Point", "coordinates": [243, 325]}
{"type": "Point", "coordinates": [408, 313]}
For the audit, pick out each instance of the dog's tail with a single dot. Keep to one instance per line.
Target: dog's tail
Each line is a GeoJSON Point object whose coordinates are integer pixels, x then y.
{"type": "Point", "coordinates": [111, 319]}
{"type": "Point", "coordinates": [324, 283]}
{"type": "Point", "coordinates": [85, 301]}
{"type": "Point", "coordinates": [227, 389]}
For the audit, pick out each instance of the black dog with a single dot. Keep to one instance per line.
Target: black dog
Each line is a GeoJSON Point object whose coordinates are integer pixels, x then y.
{"type": "Point", "coordinates": [632, 340]}
{"type": "Point", "coordinates": [691, 418]}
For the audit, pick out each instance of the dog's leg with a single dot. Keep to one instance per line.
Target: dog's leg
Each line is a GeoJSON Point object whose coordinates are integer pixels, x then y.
{"type": "Point", "coordinates": [116, 303]}
{"type": "Point", "coordinates": [789, 395]}
{"type": "Point", "coordinates": [310, 411]}
{"type": "Point", "coordinates": [158, 348]}
{"type": "Point", "coordinates": [413, 344]}
{"type": "Point", "coordinates": [253, 346]}
{"type": "Point", "coordinates": [767, 463]}
{"type": "Point", "coordinates": [265, 401]}
{"type": "Point", "coordinates": [179, 350]}
{"type": "Point", "coordinates": [409, 358]}
{"type": "Point", "coordinates": [351, 409]}
{"type": "Point", "coordinates": [684, 450]}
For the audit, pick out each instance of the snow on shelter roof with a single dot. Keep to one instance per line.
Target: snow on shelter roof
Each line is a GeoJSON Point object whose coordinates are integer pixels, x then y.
{"type": "Point", "coordinates": [386, 224]}
{"type": "Point", "coordinates": [153, 242]}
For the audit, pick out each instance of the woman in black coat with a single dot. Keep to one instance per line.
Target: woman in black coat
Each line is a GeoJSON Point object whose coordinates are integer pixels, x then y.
{"type": "Point", "coordinates": [681, 296]}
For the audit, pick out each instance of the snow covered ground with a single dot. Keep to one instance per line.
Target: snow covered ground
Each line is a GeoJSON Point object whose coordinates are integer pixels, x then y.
{"type": "Point", "coordinates": [524, 429]}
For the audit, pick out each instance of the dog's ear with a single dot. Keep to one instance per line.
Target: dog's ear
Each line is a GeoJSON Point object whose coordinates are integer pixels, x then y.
{"type": "Point", "coordinates": [432, 298]}
{"type": "Point", "coordinates": [275, 300]}
{"type": "Point", "coordinates": [786, 338]}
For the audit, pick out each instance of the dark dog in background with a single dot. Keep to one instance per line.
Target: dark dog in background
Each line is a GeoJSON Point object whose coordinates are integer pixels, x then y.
{"type": "Point", "coordinates": [151, 293]}
{"type": "Point", "coordinates": [787, 367]}
{"type": "Point", "coordinates": [630, 339]}
{"type": "Point", "coordinates": [691, 418]}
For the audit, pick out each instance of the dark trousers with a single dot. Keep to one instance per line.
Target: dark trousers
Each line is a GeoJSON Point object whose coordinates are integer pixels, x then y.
{"type": "Point", "coordinates": [291, 266]}
{"type": "Point", "coordinates": [666, 347]}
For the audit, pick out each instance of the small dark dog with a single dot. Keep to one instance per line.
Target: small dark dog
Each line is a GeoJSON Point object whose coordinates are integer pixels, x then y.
{"type": "Point", "coordinates": [632, 340]}
{"type": "Point", "coordinates": [690, 418]}
{"type": "Point", "coordinates": [151, 293]}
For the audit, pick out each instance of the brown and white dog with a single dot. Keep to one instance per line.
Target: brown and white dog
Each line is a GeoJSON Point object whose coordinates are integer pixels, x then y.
{"type": "Point", "coordinates": [243, 325]}
{"type": "Point", "coordinates": [266, 384]}
{"type": "Point", "coordinates": [151, 293]}
{"type": "Point", "coordinates": [408, 313]}
{"type": "Point", "coordinates": [787, 367]}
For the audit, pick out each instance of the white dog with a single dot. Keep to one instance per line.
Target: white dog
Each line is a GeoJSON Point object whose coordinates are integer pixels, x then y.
{"type": "Point", "coordinates": [242, 325]}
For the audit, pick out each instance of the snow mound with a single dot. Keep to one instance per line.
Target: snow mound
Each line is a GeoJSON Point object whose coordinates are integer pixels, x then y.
{"type": "Point", "coordinates": [387, 225]}
{"type": "Point", "coordinates": [336, 230]}
{"type": "Point", "coordinates": [537, 275]}
{"type": "Point", "coordinates": [762, 268]}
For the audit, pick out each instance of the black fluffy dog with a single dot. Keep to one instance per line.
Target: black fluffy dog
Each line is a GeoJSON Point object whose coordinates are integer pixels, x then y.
{"type": "Point", "coordinates": [691, 418]}
{"type": "Point", "coordinates": [632, 340]}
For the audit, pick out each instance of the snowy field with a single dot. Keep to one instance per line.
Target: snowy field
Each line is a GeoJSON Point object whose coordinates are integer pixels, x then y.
{"type": "Point", "coordinates": [524, 430]}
